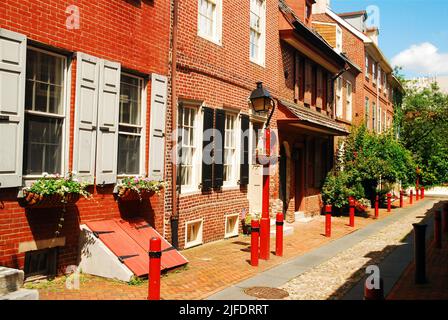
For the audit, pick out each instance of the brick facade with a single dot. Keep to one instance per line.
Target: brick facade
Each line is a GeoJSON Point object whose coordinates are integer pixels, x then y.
{"type": "Point", "coordinates": [135, 34]}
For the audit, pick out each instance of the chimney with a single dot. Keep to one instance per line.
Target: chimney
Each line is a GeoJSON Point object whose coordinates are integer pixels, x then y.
{"type": "Point", "coordinates": [321, 6]}
{"type": "Point", "coordinates": [298, 6]}
{"type": "Point", "coordinates": [373, 33]}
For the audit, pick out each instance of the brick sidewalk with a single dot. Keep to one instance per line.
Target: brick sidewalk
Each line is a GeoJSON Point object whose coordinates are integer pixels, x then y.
{"type": "Point", "coordinates": [436, 272]}
{"type": "Point", "coordinates": [212, 267]}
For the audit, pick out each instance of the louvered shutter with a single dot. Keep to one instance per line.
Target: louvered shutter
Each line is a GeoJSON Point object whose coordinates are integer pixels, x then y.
{"type": "Point", "coordinates": [108, 114]}
{"type": "Point", "coordinates": [179, 149]}
{"type": "Point", "coordinates": [244, 166]}
{"type": "Point", "coordinates": [218, 174]}
{"type": "Point", "coordinates": [87, 88]}
{"type": "Point", "coordinates": [159, 85]}
{"type": "Point", "coordinates": [207, 164]}
{"type": "Point", "coordinates": [12, 101]}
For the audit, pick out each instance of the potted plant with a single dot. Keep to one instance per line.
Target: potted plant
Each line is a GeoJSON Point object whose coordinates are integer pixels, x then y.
{"type": "Point", "coordinates": [138, 188]}
{"type": "Point", "coordinates": [53, 191]}
{"type": "Point", "coordinates": [247, 221]}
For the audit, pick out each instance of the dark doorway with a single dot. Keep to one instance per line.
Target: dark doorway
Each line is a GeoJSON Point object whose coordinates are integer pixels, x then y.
{"type": "Point", "coordinates": [298, 177]}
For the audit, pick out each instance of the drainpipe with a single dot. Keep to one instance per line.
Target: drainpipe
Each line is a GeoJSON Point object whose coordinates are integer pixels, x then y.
{"type": "Point", "coordinates": [174, 219]}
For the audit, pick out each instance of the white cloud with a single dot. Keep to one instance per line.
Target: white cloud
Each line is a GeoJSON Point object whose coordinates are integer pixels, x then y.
{"type": "Point", "coordinates": [423, 58]}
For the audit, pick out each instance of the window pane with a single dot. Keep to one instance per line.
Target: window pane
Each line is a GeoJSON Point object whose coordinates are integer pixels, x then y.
{"type": "Point", "coordinates": [43, 145]}
{"type": "Point", "coordinates": [128, 154]}
{"type": "Point", "coordinates": [130, 100]}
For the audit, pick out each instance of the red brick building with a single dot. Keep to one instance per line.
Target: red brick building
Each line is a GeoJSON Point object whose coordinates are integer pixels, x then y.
{"type": "Point", "coordinates": [80, 87]}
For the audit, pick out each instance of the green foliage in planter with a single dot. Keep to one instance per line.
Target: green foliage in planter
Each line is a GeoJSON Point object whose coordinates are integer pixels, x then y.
{"type": "Point", "coordinates": [56, 184]}
{"type": "Point", "coordinates": [141, 184]}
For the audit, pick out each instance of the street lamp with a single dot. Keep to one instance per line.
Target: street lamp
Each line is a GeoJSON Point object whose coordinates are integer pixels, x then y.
{"type": "Point", "coordinates": [261, 101]}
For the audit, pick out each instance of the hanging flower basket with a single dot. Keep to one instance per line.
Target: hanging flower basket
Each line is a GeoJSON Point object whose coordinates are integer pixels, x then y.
{"type": "Point", "coordinates": [35, 200]}
{"type": "Point", "coordinates": [53, 191]}
{"type": "Point", "coordinates": [138, 188]}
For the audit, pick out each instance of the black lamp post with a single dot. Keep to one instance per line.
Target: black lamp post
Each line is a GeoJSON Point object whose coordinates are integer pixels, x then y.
{"type": "Point", "coordinates": [261, 101]}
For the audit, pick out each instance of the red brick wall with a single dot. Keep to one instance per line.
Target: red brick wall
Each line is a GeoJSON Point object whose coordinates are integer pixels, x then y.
{"type": "Point", "coordinates": [221, 76]}
{"type": "Point", "coordinates": [134, 33]}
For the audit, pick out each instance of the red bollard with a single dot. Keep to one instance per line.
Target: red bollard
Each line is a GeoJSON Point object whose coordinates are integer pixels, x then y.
{"type": "Point", "coordinates": [411, 196]}
{"type": "Point", "coordinates": [401, 199]}
{"type": "Point", "coordinates": [377, 207]}
{"type": "Point", "coordinates": [155, 255]}
{"type": "Point", "coordinates": [265, 226]}
{"type": "Point", "coordinates": [422, 190]}
{"type": "Point", "coordinates": [328, 209]}
{"type": "Point", "coordinates": [352, 212]}
{"type": "Point", "coordinates": [438, 229]}
{"type": "Point", "coordinates": [445, 218]}
{"type": "Point", "coordinates": [279, 235]}
{"type": "Point", "coordinates": [254, 243]}
{"type": "Point", "coordinates": [389, 202]}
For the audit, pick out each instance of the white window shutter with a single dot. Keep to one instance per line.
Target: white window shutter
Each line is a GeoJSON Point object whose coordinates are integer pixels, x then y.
{"type": "Point", "coordinates": [108, 114]}
{"type": "Point", "coordinates": [87, 88]}
{"type": "Point", "coordinates": [12, 104]}
{"type": "Point", "coordinates": [159, 85]}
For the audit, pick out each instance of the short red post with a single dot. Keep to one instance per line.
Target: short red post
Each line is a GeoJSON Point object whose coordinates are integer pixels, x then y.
{"type": "Point", "coordinates": [265, 237]}
{"type": "Point", "coordinates": [155, 255]}
{"type": "Point", "coordinates": [422, 190]}
{"type": "Point", "coordinates": [438, 229]}
{"type": "Point", "coordinates": [328, 209]}
{"type": "Point", "coordinates": [411, 196]}
{"type": "Point", "coordinates": [374, 293]}
{"type": "Point", "coordinates": [401, 199]}
{"type": "Point", "coordinates": [254, 243]}
{"type": "Point", "coordinates": [445, 218]}
{"type": "Point", "coordinates": [377, 207]}
{"type": "Point", "coordinates": [279, 235]}
{"type": "Point", "coordinates": [389, 202]}
{"type": "Point", "coordinates": [352, 212]}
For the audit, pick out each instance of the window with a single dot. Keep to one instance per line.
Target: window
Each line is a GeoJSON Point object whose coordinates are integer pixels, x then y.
{"type": "Point", "coordinates": [380, 78]}
{"type": "Point", "coordinates": [231, 226]}
{"type": "Point", "coordinates": [338, 39]}
{"type": "Point", "coordinates": [257, 31]}
{"type": "Point", "coordinates": [130, 139]}
{"type": "Point", "coordinates": [374, 73]}
{"type": "Point", "coordinates": [349, 102]}
{"type": "Point", "coordinates": [40, 263]}
{"type": "Point", "coordinates": [230, 166]}
{"type": "Point", "coordinates": [367, 71]}
{"type": "Point", "coordinates": [193, 233]}
{"type": "Point", "coordinates": [339, 110]}
{"type": "Point", "coordinates": [257, 141]}
{"type": "Point", "coordinates": [374, 126]}
{"type": "Point", "coordinates": [209, 20]}
{"type": "Point", "coordinates": [187, 127]}
{"type": "Point", "coordinates": [367, 108]}
{"type": "Point", "coordinates": [44, 113]}
{"type": "Point", "coordinates": [379, 116]}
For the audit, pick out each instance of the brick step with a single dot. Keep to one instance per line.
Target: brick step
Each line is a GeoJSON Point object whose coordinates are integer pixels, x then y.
{"type": "Point", "coordinates": [22, 294]}
{"type": "Point", "coordinates": [11, 280]}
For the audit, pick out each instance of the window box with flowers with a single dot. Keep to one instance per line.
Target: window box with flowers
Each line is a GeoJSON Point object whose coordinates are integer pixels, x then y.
{"type": "Point", "coordinates": [138, 188]}
{"type": "Point", "coordinates": [53, 191]}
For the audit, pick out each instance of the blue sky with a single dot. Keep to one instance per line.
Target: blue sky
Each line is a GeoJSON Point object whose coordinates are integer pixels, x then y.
{"type": "Point", "coordinates": [413, 33]}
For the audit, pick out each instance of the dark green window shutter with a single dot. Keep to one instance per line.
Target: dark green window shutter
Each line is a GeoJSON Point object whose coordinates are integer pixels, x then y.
{"type": "Point", "coordinates": [244, 166]}
{"type": "Point", "coordinates": [220, 122]}
{"type": "Point", "coordinates": [179, 153]}
{"type": "Point", "coordinates": [207, 165]}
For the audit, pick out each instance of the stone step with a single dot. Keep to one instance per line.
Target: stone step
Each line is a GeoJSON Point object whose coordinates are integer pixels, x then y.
{"type": "Point", "coordinates": [22, 294]}
{"type": "Point", "coordinates": [302, 218]}
{"type": "Point", "coordinates": [10, 280]}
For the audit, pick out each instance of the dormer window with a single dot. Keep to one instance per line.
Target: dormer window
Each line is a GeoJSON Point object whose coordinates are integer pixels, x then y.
{"type": "Point", "coordinates": [338, 39]}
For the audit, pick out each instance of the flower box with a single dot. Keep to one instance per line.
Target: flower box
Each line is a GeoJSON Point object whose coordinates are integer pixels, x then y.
{"type": "Point", "coordinates": [35, 200]}
{"type": "Point", "coordinates": [137, 188]}
{"type": "Point", "coordinates": [125, 194]}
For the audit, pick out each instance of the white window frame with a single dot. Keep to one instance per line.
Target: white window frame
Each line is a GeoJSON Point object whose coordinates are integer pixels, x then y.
{"type": "Point", "coordinates": [379, 118]}
{"type": "Point", "coordinates": [261, 59]}
{"type": "Point", "coordinates": [29, 179]}
{"type": "Point", "coordinates": [367, 67]}
{"type": "Point", "coordinates": [235, 230]}
{"type": "Point", "coordinates": [143, 97]}
{"type": "Point", "coordinates": [374, 117]}
{"type": "Point", "coordinates": [233, 182]}
{"type": "Point", "coordinates": [374, 72]}
{"type": "Point", "coordinates": [339, 102]}
{"type": "Point", "coordinates": [199, 240]}
{"type": "Point", "coordinates": [367, 112]}
{"type": "Point", "coordinates": [339, 39]}
{"type": "Point", "coordinates": [196, 172]}
{"type": "Point", "coordinates": [349, 102]}
{"type": "Point", "coordinates": [216, 38]}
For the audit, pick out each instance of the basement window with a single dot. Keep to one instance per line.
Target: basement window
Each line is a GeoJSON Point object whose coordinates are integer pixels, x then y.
{"type": "Point", "coordinates": [40, 263]}
{"type": "Point", "coordinates": [193, 233]}
{"type": "Point", "coordinates": [231, 226]}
